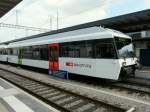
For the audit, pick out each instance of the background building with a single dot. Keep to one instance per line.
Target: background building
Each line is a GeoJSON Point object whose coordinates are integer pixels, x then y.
{"type": "Point", "coordinates": [142, 46]}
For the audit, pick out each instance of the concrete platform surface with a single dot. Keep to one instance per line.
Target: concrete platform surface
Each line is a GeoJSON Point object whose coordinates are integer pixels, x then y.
{"type": "Point", "coordinates": [143, 73]}
{"type": "Point", "coordinates": [12, 99]}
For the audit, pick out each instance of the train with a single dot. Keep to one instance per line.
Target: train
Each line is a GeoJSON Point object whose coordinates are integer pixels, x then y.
{"type": "Point", "coordinates": [94, 52]}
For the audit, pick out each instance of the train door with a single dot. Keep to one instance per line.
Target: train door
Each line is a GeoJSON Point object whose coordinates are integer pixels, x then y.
{"type": "Point", "coordinates": [53, 57]}
{"type": "Point", "coordinates": [20, 56]}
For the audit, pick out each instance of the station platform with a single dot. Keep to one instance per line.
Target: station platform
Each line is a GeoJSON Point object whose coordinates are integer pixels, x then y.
{"type": "Point", "coordinates": [143, 73]}
{"type": "Point", "coordinates": [12, 99]}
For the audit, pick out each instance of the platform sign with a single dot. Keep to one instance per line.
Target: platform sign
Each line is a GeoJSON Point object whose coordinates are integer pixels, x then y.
{"type": "Point", "coordinates": [59, 74]}
{"type": "Point", "coordinates": [50, 72]}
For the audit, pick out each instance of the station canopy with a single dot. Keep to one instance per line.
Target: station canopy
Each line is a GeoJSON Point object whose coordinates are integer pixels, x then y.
{"type": "Point", "coordinates": [7, 5]}
{"type": "Point", "coordinates": [131, 22]}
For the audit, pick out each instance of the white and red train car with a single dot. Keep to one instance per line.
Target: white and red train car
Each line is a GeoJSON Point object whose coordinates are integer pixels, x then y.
{"type": "Point", "coordinates": [3, 53]}
{"type": "Point", "coordinates": [96, 52]}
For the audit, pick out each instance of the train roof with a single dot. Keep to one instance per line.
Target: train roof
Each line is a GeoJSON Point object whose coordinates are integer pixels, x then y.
{"type": "Point", "coordinates": [77, 35]}
{"type": "Point", "coordinates": [54, 32]}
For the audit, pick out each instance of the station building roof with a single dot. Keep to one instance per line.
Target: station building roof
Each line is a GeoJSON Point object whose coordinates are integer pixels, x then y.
{"type": "Point", "coordinates": [7, 5]}
{"type": "Point", "coordinates": [131, 22]}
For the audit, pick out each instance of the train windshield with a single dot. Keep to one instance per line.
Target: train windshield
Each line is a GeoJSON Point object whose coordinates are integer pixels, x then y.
{"type": "Point", "coordinates": [124, 47]}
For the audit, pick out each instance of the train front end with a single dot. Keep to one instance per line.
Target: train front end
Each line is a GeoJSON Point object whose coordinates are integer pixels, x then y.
{"type": "Point", "coordinates": [126, 56]}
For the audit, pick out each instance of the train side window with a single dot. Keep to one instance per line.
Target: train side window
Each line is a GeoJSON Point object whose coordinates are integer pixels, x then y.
{"type": "Point", "coordinates": [5, 52]}
{"type": "Point", "coordinates": [78, 49]}
{"type": "Point", "coordinates": [27, 52]}
{"type": "Point", "coordinates": [1, 51]}
{"type": "Point", "coordinates": [105, 50]}
{"type": "Point", "coordinates": [64, 50]}
{"type": "Point", "coordinates": [40, 52]}
{"type": "Point", "coordinates": [88, 49]}
{"type": "Point", "coordinates": [81, 46]}
{"type": "Point", "coordinates": [11, 51]}
{"type": "Point", "coordinates": [15, 51]}
{"type": "Point", "coordinates": [70, 50]}
{"type": "Point", "coordinates": [83, 49]}
{"type": "Point", "coordinates": [77, 52]}
{"type": "Point", "coordinates": [44, 52]}
{"type": "Point", "coordinates": [36, 52]}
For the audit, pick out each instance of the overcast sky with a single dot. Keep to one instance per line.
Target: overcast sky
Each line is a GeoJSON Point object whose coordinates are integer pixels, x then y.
{"type": "Point", "coordinates": [37, 13]}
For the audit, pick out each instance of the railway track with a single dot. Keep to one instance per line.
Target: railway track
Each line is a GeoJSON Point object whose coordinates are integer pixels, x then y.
{"type": "Point", "coordinates": [130, 85]}
{"type": "Point", "coordinates": [61, 99]}
{"type": "Point", "coordinates": [133, 87]}
{"type": "Point", "coordinates": [138, 81]}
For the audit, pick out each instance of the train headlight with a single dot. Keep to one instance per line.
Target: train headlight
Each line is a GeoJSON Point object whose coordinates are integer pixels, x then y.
{"type": "Point", "coordinates": [123, 63]}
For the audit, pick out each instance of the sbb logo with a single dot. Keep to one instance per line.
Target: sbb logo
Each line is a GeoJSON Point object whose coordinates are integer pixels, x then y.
{"type": "Point", "coordinates": [69, 64]}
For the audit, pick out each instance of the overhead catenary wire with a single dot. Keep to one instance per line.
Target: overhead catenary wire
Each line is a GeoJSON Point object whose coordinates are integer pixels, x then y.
{"type": "Point", "coordinates": [103, 3]}
{"type": "Point", "coordinates": [58, 19]}
{"type": "Point", "coordinates": [23, 27]}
